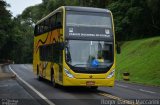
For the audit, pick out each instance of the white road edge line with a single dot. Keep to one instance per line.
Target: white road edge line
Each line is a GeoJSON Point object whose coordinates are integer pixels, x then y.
{"type": "Point", "coordinates": [121, 85]}
{"type": "Point", "coordinates": [146, 91]}
{"type": "Point", "coordinates": [32, 88]}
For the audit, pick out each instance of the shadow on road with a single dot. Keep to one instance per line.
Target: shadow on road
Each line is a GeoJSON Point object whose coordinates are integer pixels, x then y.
{"type": "Point", "coordinates": [73, 89]}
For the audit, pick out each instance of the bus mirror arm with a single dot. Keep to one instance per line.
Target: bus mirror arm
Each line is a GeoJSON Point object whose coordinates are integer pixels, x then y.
{"type": "Point", "coordinates": [61, 46]}
{"type": "Point", "coordinates": [118, 48]}
{"type": "Point", "coordinates": [68, 55]}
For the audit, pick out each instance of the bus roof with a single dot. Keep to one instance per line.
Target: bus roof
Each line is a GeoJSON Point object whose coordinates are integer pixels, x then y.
{"type": "Point", "coordinates": [74, 8]}
{"type": "Point", "coordinates": [87, 9]}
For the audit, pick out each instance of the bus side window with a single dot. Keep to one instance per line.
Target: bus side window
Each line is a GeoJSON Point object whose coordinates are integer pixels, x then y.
{"type": "Point", "coordinates": [40, 28]}
{"type": "Point", "coordinates": [52, 21]}
{"type": "Point", "coordinates": [59, 20]}
{"type": "Point", "coordinates": [56, 53]}
{"type": "Point", "coordinates": [36, 30]}
{"type": "Point", "coordinates": [50, 57]}
{"type": "Point", "coordinates": [49, 52]}
{"type": "Point", "coordinates": [47, 25]}
{"type": "Point", "coordinates": [42, 55]}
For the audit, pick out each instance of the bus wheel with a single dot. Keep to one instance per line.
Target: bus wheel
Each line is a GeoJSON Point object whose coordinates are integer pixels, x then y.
{"type": "Point", "coordinates": [38, 75]}
{"type": "Point", "coordinates": [94, 87]}
{"type": "Point", "coordinates": [55, 85]}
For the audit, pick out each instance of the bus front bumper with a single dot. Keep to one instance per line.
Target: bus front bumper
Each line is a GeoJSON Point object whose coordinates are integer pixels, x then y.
{"type": "Point", "coordinates": [88, 82]}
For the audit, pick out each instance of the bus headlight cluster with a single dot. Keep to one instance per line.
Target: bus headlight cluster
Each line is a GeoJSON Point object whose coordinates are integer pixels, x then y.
{"type": "Point", "coordinates": [68, 73]}
{"type": "Point", "coordinates": [111, 74]}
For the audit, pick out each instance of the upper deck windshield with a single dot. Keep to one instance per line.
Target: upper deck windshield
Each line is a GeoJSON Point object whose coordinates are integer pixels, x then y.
{"type": "Point", "coordinates": [88, 19]}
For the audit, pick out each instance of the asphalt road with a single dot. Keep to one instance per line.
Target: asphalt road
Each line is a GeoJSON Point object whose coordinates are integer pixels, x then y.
{"type": "Point", "coordinates": [44, 93]}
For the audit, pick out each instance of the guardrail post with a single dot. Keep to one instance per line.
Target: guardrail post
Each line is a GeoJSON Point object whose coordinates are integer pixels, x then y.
{"type": "Point", "coordinates": [126, 76]}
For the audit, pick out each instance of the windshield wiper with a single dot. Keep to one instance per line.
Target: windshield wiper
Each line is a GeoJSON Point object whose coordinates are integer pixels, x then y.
{"type": "Point", "coordinates": [104, 65]}
{"type": "Point", "coordinates": [78, 64]}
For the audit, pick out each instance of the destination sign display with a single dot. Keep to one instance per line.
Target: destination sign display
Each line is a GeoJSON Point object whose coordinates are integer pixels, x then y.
{"type": "Point", "coordinates": [88, 33]}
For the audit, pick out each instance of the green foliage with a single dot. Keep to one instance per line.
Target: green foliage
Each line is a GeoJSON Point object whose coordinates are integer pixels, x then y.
{"type": "Point", "coordinates": [5, 26]}
{"type": "Point", "coordinates": [141, 59]}
{"type": "Point", "coordinates": [16, 37]}
{"type": "Point", "coordinates": [133, 19]}
{"type": "Point", "coordinates": [23, 39]}
{"type": "Point", "coordinates": [136, 19]}
{"type": "Point", "coordinates": [5, 20]}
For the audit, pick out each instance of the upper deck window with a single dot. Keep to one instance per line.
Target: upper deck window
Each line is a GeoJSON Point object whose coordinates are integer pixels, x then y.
{"type": "Point", "coordinates": [88, 19]}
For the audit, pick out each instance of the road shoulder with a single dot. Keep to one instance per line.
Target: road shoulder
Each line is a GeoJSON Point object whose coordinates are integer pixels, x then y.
{"type": "Point", "coordinates": [12, 92]}
{"type": "Point", "coordinates": [4, 74]}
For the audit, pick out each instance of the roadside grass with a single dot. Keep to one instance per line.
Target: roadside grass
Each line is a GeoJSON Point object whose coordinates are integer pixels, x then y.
{"type": "Point", "coordinates": [141, 58]}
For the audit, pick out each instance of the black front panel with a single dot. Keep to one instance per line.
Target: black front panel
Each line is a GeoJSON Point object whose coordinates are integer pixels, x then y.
{"type": "Point", "coordinates": [89, 41]}
{"type": "Point", "coordinates": [90, 70]}
{"type": "Point", "coordinates": [89, 33]}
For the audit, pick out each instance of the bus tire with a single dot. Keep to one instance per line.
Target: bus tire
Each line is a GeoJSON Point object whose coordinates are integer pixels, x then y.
{"type": "Point", "coordinates": [38, 75]}
{"type": "Point", "coordinates": [55, 85]}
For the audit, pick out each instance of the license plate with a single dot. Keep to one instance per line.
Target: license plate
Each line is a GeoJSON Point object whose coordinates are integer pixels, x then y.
{"type": "Point", "coordinates": [90, 83]}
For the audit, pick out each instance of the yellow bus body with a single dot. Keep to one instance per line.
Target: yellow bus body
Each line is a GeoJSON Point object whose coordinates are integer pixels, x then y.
{"type": "Point", "coordinates": [61, 78]}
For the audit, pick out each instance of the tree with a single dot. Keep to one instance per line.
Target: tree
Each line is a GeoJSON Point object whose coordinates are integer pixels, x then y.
{"type": "Point", "coordinates": [154, 10]}
{"type": "Point", "coordinates": [134, 19]}
{"type": "Point", "coordinates": [5, 20]}
{"type": "Point", "coordinates": [5, 27]}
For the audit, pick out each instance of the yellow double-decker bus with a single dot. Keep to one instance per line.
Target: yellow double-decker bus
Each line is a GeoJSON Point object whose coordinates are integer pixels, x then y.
{"type": "Point", "coordinates": [75, 46]}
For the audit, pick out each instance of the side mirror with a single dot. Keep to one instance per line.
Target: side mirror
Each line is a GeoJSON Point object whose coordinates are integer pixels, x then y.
{"type": "Point", "coordinates": [118, 48]}
{"type": "Point", "coordinates": [61, 46]}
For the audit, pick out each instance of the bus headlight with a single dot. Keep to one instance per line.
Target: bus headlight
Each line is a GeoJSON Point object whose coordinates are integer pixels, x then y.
{"type": "Point", "coordinates": [68, 73]}
{"type": "Point", "coordinates": [111, 74]}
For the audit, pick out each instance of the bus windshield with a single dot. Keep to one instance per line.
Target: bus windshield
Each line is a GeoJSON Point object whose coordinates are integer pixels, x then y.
{"type": "Point", "coordinates": [88, 19]}
{"type": "Point", "coordinates": [81, 53]}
